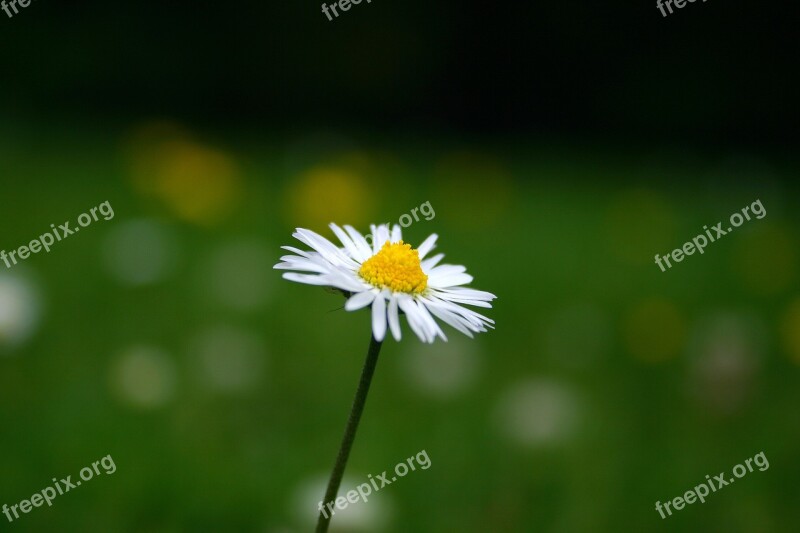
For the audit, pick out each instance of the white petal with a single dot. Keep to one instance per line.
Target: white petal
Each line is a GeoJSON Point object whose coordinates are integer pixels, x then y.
{"type": "Point", "coordinates": [420, 320]}
{"type": "Point", "coordinates": [308, 279]}
{"type": "Point", "coordinates": [348, 243]}
{"type": "Point", "coordinates": [379, 318]}
{"type": "Point", "coordinates": [359, 241]}
{"type": "Point", "coordinates": [394, 319]}
{"type": "Point", "coordinates": [441, 281]}
{"type": "Point", "coordinates": [359, 300]}
{"type": "Point", "coordinates": [347, 280]}
{"type": "Point", "coordinates": [412, 316]}
{"type": "Point", "coordinates": [448, 269]}
{"type": "Point", "coordinates": [333, 279]}
{"type": "Point", "coordinates": [373, 229]}
{"type": "Point", "coordinates": [475, 319]}
{"type": "Point", "coordinates": [301, 264]}
{"type": "Point", "coordinates": [428, 264]}
{"type": "Point", "coordinates": [427, 245]}
{"type": "Point", "coordinates": [474, 303]}
{"type": "Point", "coordinates": [433, 327]}
{"type": "Point", "coordinates": [452, 319]}
{"type": "Point", "coordinates": [380, 235]}
{"type": "Point", "coordinates": [300, 252]}
{"type": "Point", "coordinates": [471, 294]}
{"type": "Point", "coordinates": [465, 296]}
{"type": "Point", "coordinates": [325, 247]}
{"type": "Point", "coordinates": [397, 233]}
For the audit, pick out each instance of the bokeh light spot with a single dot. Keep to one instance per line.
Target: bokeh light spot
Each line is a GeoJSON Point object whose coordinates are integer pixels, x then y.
{"type": "Point", "coordinates": [443, 372]}
{"type": "Point", "coordinates": [196, 182]}
{"type": "Point", "coordinates": [373, 515]}
{"type": "Point", "coordinates": [326, 194]}
{"type": "Point", "coordinates": [20, 310]}
{"type": "Point", "coordinates": [143, 377]}
{"type": "Point", "coordinates": [725, 352]}
{"type": "Point", "coordinates": [140, 252]}
{"type": "Point", "coordinates": [539, 413]}
{"type": "Point", "coordinates": [237, 274]}
{"type": "Point", "coordinates": [228, 359]}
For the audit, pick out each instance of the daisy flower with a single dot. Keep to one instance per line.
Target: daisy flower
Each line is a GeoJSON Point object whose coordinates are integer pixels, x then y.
{"type": "Point", "coordinates": [391, 277]}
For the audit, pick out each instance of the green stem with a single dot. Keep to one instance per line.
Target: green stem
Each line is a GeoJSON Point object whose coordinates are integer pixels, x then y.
{"type": "Point", "coordinates": [349, 433]}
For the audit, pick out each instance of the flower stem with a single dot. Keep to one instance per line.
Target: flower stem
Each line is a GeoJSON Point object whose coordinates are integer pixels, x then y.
{"type": "Point", "coordinates": [349, 433]}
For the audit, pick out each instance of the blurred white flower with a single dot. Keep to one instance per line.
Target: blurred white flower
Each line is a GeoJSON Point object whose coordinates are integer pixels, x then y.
{"type": "Point", "coordinates": [143, 377]}
{"type": "Point", "coordinates": [443, 372]}
{"type": "Point", "coordinates": [539, 413]}
{"type": "Point", "coordinates": [140, 252]}
{"type": "Point", "coordinates": [725, 357]}
{"type": "Point", "coordinates": [370, 516]}
{"type": "Point", "coordinates": [20, 309]}
{"type": "Point", "coordinates": [237, 275]}
{"type": "Point", "coordinates": [228, 359]}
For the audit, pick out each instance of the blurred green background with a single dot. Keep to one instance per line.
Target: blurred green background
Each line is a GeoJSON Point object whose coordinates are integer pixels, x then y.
{"type": "Point", "coordinates": [164, 338]}
{"type": "Point", "coordinates": [561, 147]}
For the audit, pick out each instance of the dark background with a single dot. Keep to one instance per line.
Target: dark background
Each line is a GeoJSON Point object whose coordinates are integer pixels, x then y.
{"type": "Point", "coordinates": [713, 73]}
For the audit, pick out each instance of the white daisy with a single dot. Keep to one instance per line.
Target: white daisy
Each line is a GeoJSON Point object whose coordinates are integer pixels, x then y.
{"type": "Point", "coordinates": [392, 278]}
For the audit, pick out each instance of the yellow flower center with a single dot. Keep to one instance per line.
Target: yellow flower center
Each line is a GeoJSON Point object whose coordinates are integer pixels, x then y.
{"type": "Point", "coordinates": [396, 266]}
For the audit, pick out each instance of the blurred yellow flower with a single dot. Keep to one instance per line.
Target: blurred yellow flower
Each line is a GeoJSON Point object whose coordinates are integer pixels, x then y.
{"type": "Point", "coordinates": [326, 193]}
{"type": "Point", "coordinates": [196, 182]}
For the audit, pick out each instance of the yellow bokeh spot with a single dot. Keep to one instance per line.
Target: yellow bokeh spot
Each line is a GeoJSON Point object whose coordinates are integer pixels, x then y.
{"type": "Point", "coordinates": [396, 266]}
{"type": "Point", "coordinates": [328, 193]}
{"type": "Point", "coordinates": [198, 183]}
{"type": "Point", "coordinates": [201, 184]}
